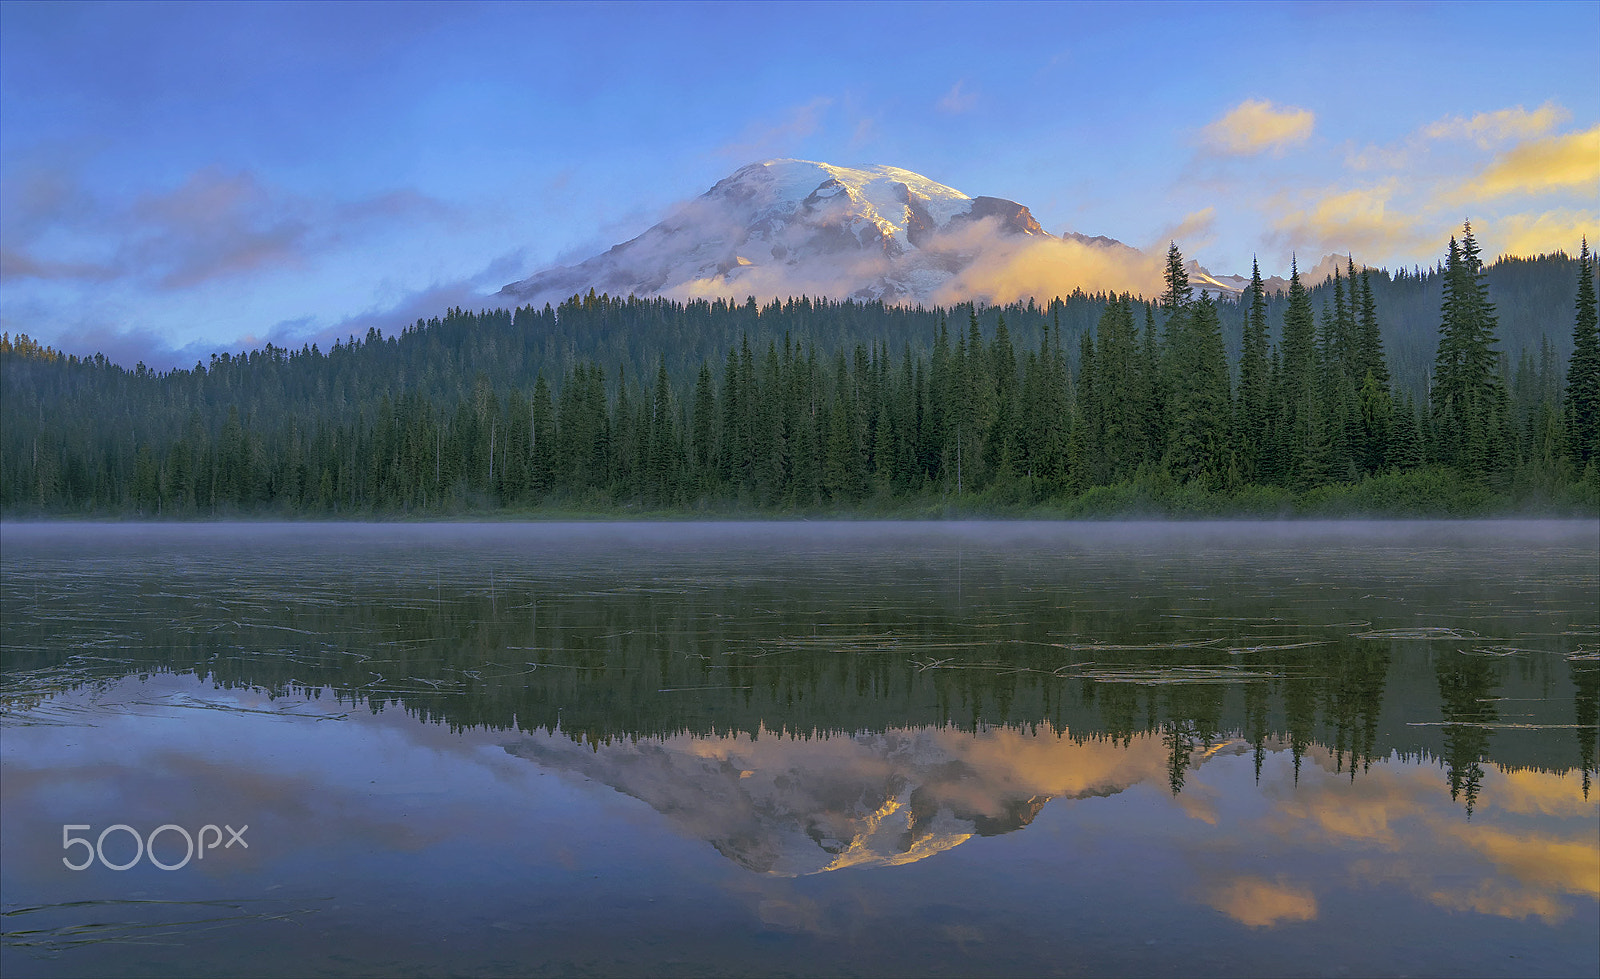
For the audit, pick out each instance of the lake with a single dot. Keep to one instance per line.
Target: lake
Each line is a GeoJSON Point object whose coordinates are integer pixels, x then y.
{"type": "Point", "coordinates": [1190, 749]}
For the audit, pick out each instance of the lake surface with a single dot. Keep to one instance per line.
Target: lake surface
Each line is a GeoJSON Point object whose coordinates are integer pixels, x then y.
{"type": "Point", "coordinates": [803, 748]}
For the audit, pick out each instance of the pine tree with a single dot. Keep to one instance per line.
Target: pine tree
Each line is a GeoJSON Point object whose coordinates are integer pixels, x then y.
{"type": "Point", "coordinates": [1252, 414]}
{"type": "Point", "coordinates": [1469, 403]}
{"type": "Point", "coordinates": [703, 429]}
{"type": "Point", "coordinates": [1369, 341]}
{"type": "Point", "coordinates": [1405, 448]}
{"type": "Point", "coordinates": [1582, 407]}
{"type": "Point", "coordinates": [1086, 447]}
{"type": "Point", "coordinates": [1302, 419]}
{"type": "Point", "coordinates": [1198, 422]}
{"type": "Point", "coordinates": [1001, 448]}
{"type": "Point", "coordinates": [663, 466]}
{"type": "Point", "coordinates": [734, 461]}
{"type": "Point", "coordinates": [1151, 396]}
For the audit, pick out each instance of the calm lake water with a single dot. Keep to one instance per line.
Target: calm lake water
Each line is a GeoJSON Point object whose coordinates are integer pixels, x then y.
{"type": "Point", "coordinates": [814, 749]}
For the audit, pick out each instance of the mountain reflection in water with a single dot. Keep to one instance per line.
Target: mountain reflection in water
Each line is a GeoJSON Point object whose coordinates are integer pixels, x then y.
{"type": "Point", "coordinates": [1358, 727]}
{"type": "Point", "coordinates": [790, 806]}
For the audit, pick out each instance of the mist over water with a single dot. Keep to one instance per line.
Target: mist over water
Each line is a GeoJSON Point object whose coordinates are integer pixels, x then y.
{"type": "Point", "coordinates": [884, 748]}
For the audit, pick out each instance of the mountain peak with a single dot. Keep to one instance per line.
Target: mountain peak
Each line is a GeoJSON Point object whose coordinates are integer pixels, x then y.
{"type": "Point", "coordinates": [803, 227]}
{"type": "Point", "coordinates": [789, 227]}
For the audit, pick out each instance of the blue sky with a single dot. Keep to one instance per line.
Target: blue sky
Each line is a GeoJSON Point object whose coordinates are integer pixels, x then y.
{"type": "Point", "coordinates": [182, 178]}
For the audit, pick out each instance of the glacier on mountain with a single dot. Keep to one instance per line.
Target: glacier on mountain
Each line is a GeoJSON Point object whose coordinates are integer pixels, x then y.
{"type": "Point", "coordinates": [800, 227]}
{"type": "Point", "coordinates": [783, 228]}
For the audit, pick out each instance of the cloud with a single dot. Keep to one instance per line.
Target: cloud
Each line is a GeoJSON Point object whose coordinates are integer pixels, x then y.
{"type": "Point", "coordinates": [1255, 125]}
{"type": "Point", "coordinates": [1378, 158]}
{"type": "Point", "coordinates": [1569, 162]}
{"type": "Point", "coordinates": [1192, 233]}
{"type": "Point", "coordinates": [18, 264]}
{"type": "Point", "coordinates": [865, 132]}
{"type": "Point", "coordinates": [129, 346]}
{"type": "Point", "coordinates": [1260, 903]}
{"type": "Point", "coordinates": [1356, 219]}
{"type": "Point", "coordinates": [1402, 817]}
{"type": "Point", "coordinates": [1503, 900]}
{"type": "Point", "coordinates": [1543, 793]}
{"type": "Point", "coordinates": [762, 141]}
{"type": "Point", "coordinates": [418, 304]}
{"type": "Point", "coordinates": [217, 224]}
{"type": "Point", "coordinates": [1010, 268]}
{"type": "Point", "coordinates": [956, 100]}
{"type": "Point", "coordinates": [1549, 863]}
{"type": "Point", "coordinates": [35, 197]}
{"type": "Point", "coordinates": [1543, 233]}
{"type": "Point", "coordinates": [1487, 128]}
{"type": "Point", "coordinates": [1413, 193]}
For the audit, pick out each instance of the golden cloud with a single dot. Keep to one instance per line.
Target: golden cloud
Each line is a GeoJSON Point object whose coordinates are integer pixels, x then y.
{"type": "Point", "coordinates": [1544, 793]}
{"type": "Point", "coordinates": [1255, 125]}
{"type": "Point", "coordinates": [1554, 163]}
{"type": "Point", "coordinates": [1541, 234]}
{"type": "Point", "coordinates": [1503, 901]}
{"type": "Point", "coordinates": [1487, 128]}
{"type": "Point", "coordinates": [1373, 810]}
{"type": "Point", "coordinates": [1546, 863]}
{"type": "Point", "coordinates": [1359, 219]}
{"type": "Point", "coordinates": [1393, 809]}
{"type": "Point", "coordinates": [1007, 268]}
{"type": "Point", "coordinates": [1195, 231]}
{"type": "Point", "coordinates": [1261, 903]}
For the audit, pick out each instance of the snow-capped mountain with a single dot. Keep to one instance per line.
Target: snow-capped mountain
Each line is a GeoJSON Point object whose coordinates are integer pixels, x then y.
{"type": "Point", "coordinates": [784, 228]}
{"type": "Point", "coordinates": [786, 806]}
{"type": "Point", "coordinates": [1234, 285]}
{"type": "Point", "coordinates": [798, 227]}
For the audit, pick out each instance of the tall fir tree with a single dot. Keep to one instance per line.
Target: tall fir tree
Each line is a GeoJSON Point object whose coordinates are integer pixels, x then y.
{"type": "Point", "coordinates": [1252, 415]}
{"type": "Point", "coordinates": [1468, 399]}
{"type": "Point", "coordinates": [1582, 402]}
{"type": "Point", "coordinates": [1301, 418]}
{"type": "Point", "coordinates": [1198, 419]}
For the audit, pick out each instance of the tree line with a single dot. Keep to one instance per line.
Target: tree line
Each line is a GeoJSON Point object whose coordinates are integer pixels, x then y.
{"type": "Point", "coordinates": [1131, 404]}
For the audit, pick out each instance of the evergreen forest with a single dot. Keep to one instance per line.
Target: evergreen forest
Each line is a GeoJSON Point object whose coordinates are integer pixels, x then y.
{"type": "Point", "coordinates": [1461, 389]}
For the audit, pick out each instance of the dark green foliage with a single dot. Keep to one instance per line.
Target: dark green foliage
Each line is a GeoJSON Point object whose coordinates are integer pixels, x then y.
{"type": "Point", "coordinates": [1252, 416]}
{"type": "Point", "coordinates": [1301, 434]}
{"type": "Point", "coordinates": [1468, 398]}
{"type": "Point", "coordinates": [1582, 404]}
{"type": "Point", "coordinates": [1069, 407]}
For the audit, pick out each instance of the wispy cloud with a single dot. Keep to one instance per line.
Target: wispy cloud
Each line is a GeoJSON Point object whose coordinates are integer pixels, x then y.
{"type": "Point", "coordinates": [1337, 219]}
{"type": "Point", "coordinates": [1406, 197]}
{"type": "Point", "coordinates": [1256, 125]}
{"type": "Point", "coordinates": [16, 264]}
{"type": "Point", "coordinates": [1569, 162]}
{"type": "Point", "coordinates": [1194, 232]}
{"type": "Point", "coordinates": [1548, 231]}
{"type": "Point", "coordinates": [101, 333]}
{"type": "Point", "coordinates": [764, 139]}
{"type": "Point", "coordinates": [1009, 268]}
{"type": "Point", "coordinates": [1261, 903]}
{"type": "Point", "coordinates": [215, 225]}
{"type": "Point", "coordinates": [866, 131]}
{"type": "Point", "coordinates": [957, 100]}
{"type": "Point", "coordinates": [1488, 128]}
